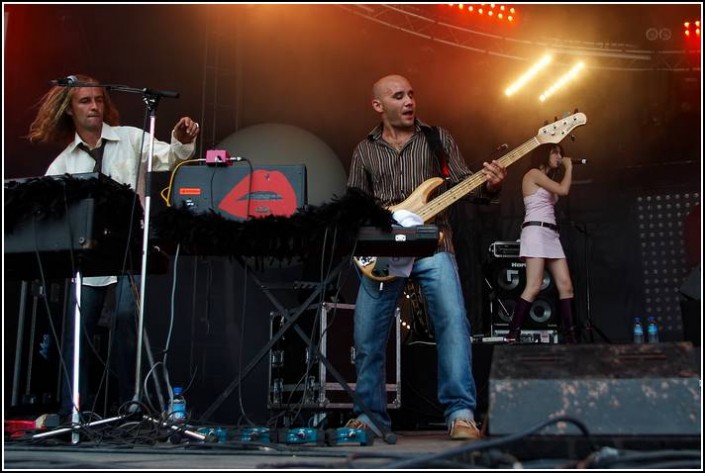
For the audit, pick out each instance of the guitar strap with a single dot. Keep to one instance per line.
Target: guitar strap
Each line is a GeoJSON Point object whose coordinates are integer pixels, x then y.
{"type": "Point", "coordinates": [433, 136]}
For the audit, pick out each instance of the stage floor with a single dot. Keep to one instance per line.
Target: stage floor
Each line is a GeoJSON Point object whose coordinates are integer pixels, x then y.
{"type": "Point", "coordinates": [517, 436]}
{"type": "Point", "coordinates": [413, 449]}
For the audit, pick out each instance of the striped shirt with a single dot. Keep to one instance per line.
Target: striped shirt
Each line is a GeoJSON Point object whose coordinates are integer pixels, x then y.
{"type": "Point", "coordinates": [391, 176]}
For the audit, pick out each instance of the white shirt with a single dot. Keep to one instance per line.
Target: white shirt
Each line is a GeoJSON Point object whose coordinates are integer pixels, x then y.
{"type": "Point", "coordinates": [120, 162]}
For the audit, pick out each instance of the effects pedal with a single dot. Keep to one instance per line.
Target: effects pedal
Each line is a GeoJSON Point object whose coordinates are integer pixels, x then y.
{"type": "Point", "coordinates": [348, 435]}
{"type": "Point", "coordinates": [214, 434]}
{"type": "Point", "coordinates": [302, 435]}
{"type": "Point", "coordinates": [256, 434]}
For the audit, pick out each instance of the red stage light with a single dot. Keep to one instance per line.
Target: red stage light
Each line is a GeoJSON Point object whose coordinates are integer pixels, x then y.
{"type": "Point", "coordinates": [691, 29]}
{"type": "Point", "coordinates": [491, 10]}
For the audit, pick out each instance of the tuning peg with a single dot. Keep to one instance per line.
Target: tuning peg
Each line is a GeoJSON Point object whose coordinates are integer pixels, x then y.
{"type": "Point", "coordinates": [545, 122]}
{"type": "Point", "coordinates": [555, 118]}
{"type": "Point", "coordinates": [575, 110]}
{"type": "Point", "coordinates": [572, 137]}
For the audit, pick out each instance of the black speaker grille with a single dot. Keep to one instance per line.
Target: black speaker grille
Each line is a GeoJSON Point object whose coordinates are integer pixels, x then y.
{"type": "Point", "coordinates": [505, 280]}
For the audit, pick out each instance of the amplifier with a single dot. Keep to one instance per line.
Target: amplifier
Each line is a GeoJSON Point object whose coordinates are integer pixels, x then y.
{"type": "Point", "coordinates": [241, 192]}
{"type": "Point", "coordinates": [527, 336]}
{"type": "Point", "coordinates": [504, 249]}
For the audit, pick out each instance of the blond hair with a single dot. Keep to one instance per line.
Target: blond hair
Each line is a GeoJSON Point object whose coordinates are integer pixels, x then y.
{"type": "Point", "coordinates": [53, 125]}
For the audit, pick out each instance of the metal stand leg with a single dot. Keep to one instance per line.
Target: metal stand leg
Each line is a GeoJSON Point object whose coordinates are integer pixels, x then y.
{"type": "Point", "coordinates": [20, 340]}
{"type": "Point", "coordinates": [589, 326]}
{"type": "Point", "coordinates": [27, 398]}
{"type": "Point", "coordinates": [275, 338]}
{"type": "Point", "coordinates": [291, 318]}
{"type": "Point", "coordinates": [75, 413]}
{"type": "Point", "coordinates": [147, 347]}
{"type": "Point", "coordinates": [76, 395]}
{"type": "Point", "coordinates": [97, 423]}
{"type": "Point", "coordinates": [151, 107]}
{"type": "Point", "coordinates": [150, 358]}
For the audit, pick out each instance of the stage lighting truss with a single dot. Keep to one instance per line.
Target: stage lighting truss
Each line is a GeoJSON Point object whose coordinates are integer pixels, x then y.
{"type": "Point", "coordinates": [421, 22]}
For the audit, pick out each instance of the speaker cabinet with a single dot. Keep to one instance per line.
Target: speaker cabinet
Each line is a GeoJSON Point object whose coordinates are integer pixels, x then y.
{"type": "Point", "coordinates": [505, 281]}
{"type": "Point", "coordinates": [645, 389]}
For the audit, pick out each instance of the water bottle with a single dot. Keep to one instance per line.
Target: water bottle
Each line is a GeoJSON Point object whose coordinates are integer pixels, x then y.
{"type": "Point", "coordinates": [177, 407]}
{"type": "Point", "coordinates": [638, 331]}
{"type": "Point", "coordinates": [652, 330]}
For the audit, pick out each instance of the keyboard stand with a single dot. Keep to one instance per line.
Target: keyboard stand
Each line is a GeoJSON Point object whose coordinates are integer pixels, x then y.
{"type": "Point", "coordinates": [76, 424]}
{"type": "Point", "coordinates": [291, 316]}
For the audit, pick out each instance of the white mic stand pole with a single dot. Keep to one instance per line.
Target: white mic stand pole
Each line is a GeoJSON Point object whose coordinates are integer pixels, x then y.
{"type": "Point", "coordinates": [151, 99]}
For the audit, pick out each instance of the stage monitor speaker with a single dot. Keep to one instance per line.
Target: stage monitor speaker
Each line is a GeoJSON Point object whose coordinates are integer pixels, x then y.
{"type": "Point", "coordinates": [506, 279]}
{"type": "Point", "coordinates": [238, 192]}
{"type": "Point", "coordinates": [645, 389]}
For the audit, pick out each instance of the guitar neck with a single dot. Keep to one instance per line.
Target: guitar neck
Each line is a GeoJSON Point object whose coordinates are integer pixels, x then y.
{"type": "Point", "coordinates": [445, 200]}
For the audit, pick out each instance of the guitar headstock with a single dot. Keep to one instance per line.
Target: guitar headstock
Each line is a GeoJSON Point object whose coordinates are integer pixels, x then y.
{"type": "Point", "coordinates": [555, 132]}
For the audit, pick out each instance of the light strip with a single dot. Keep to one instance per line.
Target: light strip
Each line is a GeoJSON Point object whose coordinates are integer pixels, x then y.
{"type": "Point", "coordinates": [530, 74]}
{"type": "Point", "coordinates": [570, 75]}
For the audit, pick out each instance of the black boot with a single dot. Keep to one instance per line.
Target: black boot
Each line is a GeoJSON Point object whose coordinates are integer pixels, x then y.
{"type": "Point", "coordinates": [521, 310]}
{"type": "Point", "coordinates": [565, 308]}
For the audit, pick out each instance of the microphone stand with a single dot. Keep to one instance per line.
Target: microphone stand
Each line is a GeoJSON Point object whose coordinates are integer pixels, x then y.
{"type": "Point", "coordinates": [589, 326]}
{"type": "Point", "coordinates": [151, 99]}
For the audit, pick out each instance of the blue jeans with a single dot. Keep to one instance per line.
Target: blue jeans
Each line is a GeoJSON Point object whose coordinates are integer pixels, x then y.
{"type": "Point", "coordinates": [124, 338]}
{"type": "Point", "coordinates": [374, 314]}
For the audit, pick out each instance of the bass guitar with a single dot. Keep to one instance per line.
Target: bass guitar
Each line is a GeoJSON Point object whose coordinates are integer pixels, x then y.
{"type": "Point", "coordinates": [419, 204]}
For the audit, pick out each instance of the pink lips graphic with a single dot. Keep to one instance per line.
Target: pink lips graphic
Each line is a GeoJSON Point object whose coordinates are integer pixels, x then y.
{"type": "Point", "coordinates": [270, 193]}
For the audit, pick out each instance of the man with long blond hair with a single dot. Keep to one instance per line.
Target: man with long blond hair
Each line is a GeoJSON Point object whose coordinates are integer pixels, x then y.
{"type": "Point", "coordinates": [53, 125]}
{"type": "Point", "coordinates": [82, 118]}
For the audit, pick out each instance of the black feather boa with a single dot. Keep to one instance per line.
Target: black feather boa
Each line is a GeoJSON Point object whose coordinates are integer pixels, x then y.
{"type": "Point", "coordinates": [50, 196]}
{"type": "Point", "coordinates": [303, 234]}
{"type": "Point", "coordinates": [282, 238]}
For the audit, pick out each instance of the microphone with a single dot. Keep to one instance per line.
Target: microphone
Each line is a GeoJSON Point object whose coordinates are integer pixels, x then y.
{"type": "Point", "coordinates": [578, 161]}
{"type": "Point", "coordinates": [64, 81]}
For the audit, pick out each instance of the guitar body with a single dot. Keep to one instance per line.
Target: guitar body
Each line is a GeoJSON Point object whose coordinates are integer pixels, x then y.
{"type": "Point", "coordinates": [368, 267]}
{"type": "Point", "coordinates": [419, 198]}
{"type": "Point", "coordinates": [376, 268]}
{"type": "Point", "coordinates": [418, 203]}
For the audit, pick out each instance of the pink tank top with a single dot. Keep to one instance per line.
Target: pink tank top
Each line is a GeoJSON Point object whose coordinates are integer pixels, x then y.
{"type": "Point", "coordinates": [540, 206]}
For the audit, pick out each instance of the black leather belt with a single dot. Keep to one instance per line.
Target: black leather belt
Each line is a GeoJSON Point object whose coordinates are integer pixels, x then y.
{"type": "Point", "coordinates": [552, 226]}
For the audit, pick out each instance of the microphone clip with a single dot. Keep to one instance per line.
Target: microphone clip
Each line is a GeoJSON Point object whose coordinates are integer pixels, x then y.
{"type": "Point", "coordinates": [69, 81]}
